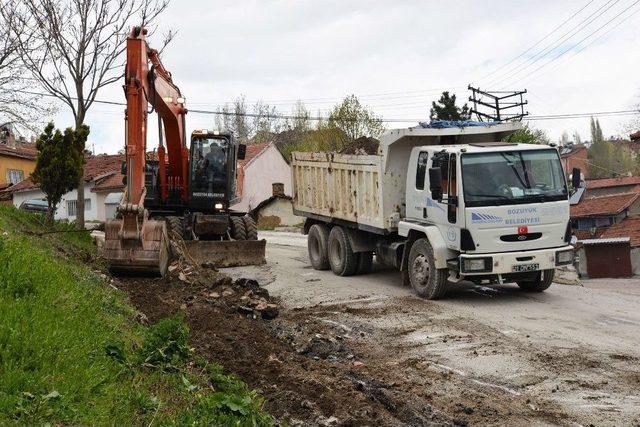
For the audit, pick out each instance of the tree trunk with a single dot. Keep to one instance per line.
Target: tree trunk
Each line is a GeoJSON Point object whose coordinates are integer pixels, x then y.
{"type": "Point", "coordinates": [49, 217]}
{"type": "Point", "coordinates": [80, 203]}
{"type": "Point", "coordinates": [80, 189]}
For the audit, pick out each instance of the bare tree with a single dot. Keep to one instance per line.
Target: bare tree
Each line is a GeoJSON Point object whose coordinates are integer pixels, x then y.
{"type": "Point", "coordinates": [74, 48]}
{"type": "Point", "coordinates": [19, 106]}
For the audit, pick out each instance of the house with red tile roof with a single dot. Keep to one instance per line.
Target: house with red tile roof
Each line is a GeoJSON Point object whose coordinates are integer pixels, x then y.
{"type": "Point", "coordinates": [611, 186]}
{"type": "Point", "coordinates": [592, 216]}
{"type": "Point", "coordinates": [102, 177]}
{"type": "Point", "coordinates": [17, 161]}
{"type": "Point", "coordinates": [262, 166]}
{"type": "Point", "coordinates": [628, 228]}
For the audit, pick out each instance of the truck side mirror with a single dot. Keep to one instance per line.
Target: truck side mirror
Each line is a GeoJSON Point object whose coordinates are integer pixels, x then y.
{"type": "Point", "coordinates": [242, 151]}
{"type": "Point", "coordinates": [576, 178]}
{"type": "Point", "coordinates": [435, 183]}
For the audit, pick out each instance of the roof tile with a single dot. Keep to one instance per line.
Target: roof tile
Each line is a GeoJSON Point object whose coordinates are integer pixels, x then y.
{"type": "Point", "coordinates": [628, 227]}
{"type": "Point", "coordinates": [253, 151]}
{"type": "Point", "coordinates": [612, 182]}
{"type": "Point", "coordinates": [605, 205]}
{"type": "Point", "coordinates": [96, 167]}
{"type": "Point", "coordinates": [24, 150]}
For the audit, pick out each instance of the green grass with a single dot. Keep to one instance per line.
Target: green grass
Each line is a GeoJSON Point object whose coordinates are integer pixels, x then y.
{"type": "Point", "coordinates": [71, 354]}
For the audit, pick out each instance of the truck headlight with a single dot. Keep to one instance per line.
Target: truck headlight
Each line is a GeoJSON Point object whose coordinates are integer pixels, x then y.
{"type": "Point", "coordinates": [564, 257]}
{"type": "Point", "coordinates": [476, 264]}
{"type": "Point", "coordinates": [218, 206]}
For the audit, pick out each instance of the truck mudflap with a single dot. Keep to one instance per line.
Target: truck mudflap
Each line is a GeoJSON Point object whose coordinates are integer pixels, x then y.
{"type": "Point", "coordinates": [227, 253]}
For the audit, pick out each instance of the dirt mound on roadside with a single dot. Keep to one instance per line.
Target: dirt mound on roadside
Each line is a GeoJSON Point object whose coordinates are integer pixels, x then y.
{"type": "Point", "coordinates": [300, 383]}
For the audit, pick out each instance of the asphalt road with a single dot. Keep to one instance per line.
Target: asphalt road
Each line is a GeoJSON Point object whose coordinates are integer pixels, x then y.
{"type": "Point", "coordinates": [574, 348]}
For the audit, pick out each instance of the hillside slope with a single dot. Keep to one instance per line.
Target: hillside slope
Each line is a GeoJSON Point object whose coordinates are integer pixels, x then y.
{"type": "Point", "coordinates": [73, 352]}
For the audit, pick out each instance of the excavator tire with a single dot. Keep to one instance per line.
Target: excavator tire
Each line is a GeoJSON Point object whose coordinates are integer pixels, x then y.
{"type": "Point", "coordinates": [251, 227]}
{"type": "Point", "coordinates": [174, 225]}
{"type": "Point", "coordinates": [238, 230]}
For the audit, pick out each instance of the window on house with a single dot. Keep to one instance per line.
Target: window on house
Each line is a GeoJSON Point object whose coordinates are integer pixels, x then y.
{"type": "Point", "coordinates": [72, 206]}
{"type": "Point", "coordinates": [14, 176]}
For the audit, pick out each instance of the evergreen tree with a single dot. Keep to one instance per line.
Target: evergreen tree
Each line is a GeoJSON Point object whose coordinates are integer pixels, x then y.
{"type": "Point", "coordinates": [596, 131]}
{"type": "Point", "coordinates": [59, 163]}
{"type": "Point", "coordinates": [446, 109]}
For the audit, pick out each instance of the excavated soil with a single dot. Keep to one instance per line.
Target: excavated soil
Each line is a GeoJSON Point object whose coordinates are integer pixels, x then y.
{"type": "Point", "coordinates": [315, 371]}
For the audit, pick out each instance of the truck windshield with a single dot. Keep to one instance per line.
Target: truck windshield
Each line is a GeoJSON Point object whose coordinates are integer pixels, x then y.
{"type": "Point", "coordinates": [512, 177]}
{"type": "Point", "coordinates": [209, 165]}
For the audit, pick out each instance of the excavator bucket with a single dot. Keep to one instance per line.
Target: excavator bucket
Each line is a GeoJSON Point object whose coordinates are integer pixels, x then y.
{"type": "Point", "coordinates": [227, 253]}
{"type": "Point", "coordinates": [147, 255]}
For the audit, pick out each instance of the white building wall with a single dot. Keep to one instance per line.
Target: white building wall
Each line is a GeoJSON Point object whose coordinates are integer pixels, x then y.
{"type": "Point", "coordinates": [259, 175]}
{"type": "Point", "coordinates": [62, 213]}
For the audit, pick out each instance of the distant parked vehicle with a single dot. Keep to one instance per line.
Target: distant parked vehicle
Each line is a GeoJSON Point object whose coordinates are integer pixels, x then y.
{"type": "Point", "coordinates": [34, 205]}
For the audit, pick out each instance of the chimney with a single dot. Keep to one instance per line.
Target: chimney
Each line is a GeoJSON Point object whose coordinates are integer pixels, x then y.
{"type": "Point", "coordinates": [278, 189]}
{"type": "Point", "coordinates": [11, 140]}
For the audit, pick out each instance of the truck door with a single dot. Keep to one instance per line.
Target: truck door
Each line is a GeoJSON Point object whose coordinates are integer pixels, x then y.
{"type": "Point", "coordinates": [446, 213]}
{"type": "Point", "coordinates": [421, 191]}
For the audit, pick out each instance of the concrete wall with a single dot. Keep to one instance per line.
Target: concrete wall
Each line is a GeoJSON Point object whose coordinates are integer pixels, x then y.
{"type": "Point", "coordinates": [96, 213]}
{"type": "Point", "coordinates": [278, 213]}
{"type": "Point", "coordinates": [259, 175]}
{"type": "Point", "coordinates": [635, 261]}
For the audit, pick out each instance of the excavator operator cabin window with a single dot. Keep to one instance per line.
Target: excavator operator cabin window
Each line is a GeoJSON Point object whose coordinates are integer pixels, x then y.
{"type": "Point", "coordinates": [421, 170]}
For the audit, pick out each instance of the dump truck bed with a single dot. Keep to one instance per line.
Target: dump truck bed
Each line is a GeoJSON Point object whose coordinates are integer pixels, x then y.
{"type": "Point", "coordinates": [368, 191]}
{"type": "Point", "coordinates": [347, 188]}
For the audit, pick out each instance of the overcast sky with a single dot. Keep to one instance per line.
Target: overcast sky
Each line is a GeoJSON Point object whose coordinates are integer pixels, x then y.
{"type": "Point", "coordinates": [396, 56]}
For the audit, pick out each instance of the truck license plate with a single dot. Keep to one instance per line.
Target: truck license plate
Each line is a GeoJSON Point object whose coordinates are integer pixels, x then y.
{"type": "Point", "coordinates": [525, 267]}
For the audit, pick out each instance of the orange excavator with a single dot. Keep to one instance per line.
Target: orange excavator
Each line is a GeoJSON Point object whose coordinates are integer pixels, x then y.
{"type": "Point", "coordinates": [184, 192]}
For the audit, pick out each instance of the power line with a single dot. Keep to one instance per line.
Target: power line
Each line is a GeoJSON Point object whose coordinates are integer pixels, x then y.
{"type": "Point", "coordinates": [589, 44]}
{"type": "Point", "coordinates": [555, 44]}
{"type": "Point", "coordinates": [582, 40]}
{"type": "Point", "coordinates": [386, 120]}
{"type": "Point", "coordinates": [538, 42]}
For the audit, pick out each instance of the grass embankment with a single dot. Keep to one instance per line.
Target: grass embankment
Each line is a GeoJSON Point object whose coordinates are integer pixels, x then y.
{"type": "Point", "coordinates": [71, 353]}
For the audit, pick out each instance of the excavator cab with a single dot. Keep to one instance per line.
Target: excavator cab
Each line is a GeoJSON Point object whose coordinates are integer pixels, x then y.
{"type": "Point", "coordinates": [212, 180]}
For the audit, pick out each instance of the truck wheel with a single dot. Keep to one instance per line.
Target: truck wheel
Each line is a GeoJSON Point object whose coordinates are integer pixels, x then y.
{"type": "Point", "coordinates": [543, 281]}
{"type": "Point", "coordinates": [250, 227]}
{"type": "Point", "coordinates": [317, 246]}
{"type": "Point", "coordinates": [426, 280]}
{"type": "Point", "coordinates": [238, 231]}
{"type": "Point", "coordinates": [342, 259]}
{"type": "Point", "coordinates": [365, 262]}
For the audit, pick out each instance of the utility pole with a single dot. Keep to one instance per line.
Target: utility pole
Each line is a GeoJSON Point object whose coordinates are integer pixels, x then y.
{"type": "Point", "coordinates": [495, 103]}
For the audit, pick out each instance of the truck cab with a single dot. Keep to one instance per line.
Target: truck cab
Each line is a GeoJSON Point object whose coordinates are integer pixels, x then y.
{"type": "Point", "coordinates": [501, 209]}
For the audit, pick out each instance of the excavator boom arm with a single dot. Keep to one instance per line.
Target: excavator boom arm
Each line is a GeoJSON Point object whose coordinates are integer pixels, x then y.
{"type": "Point", "coordinates": [147, 82]}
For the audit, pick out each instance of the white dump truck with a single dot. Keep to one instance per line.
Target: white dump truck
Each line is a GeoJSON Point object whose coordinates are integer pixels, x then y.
{"type": "Point", "coordinates": [441, 205]}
